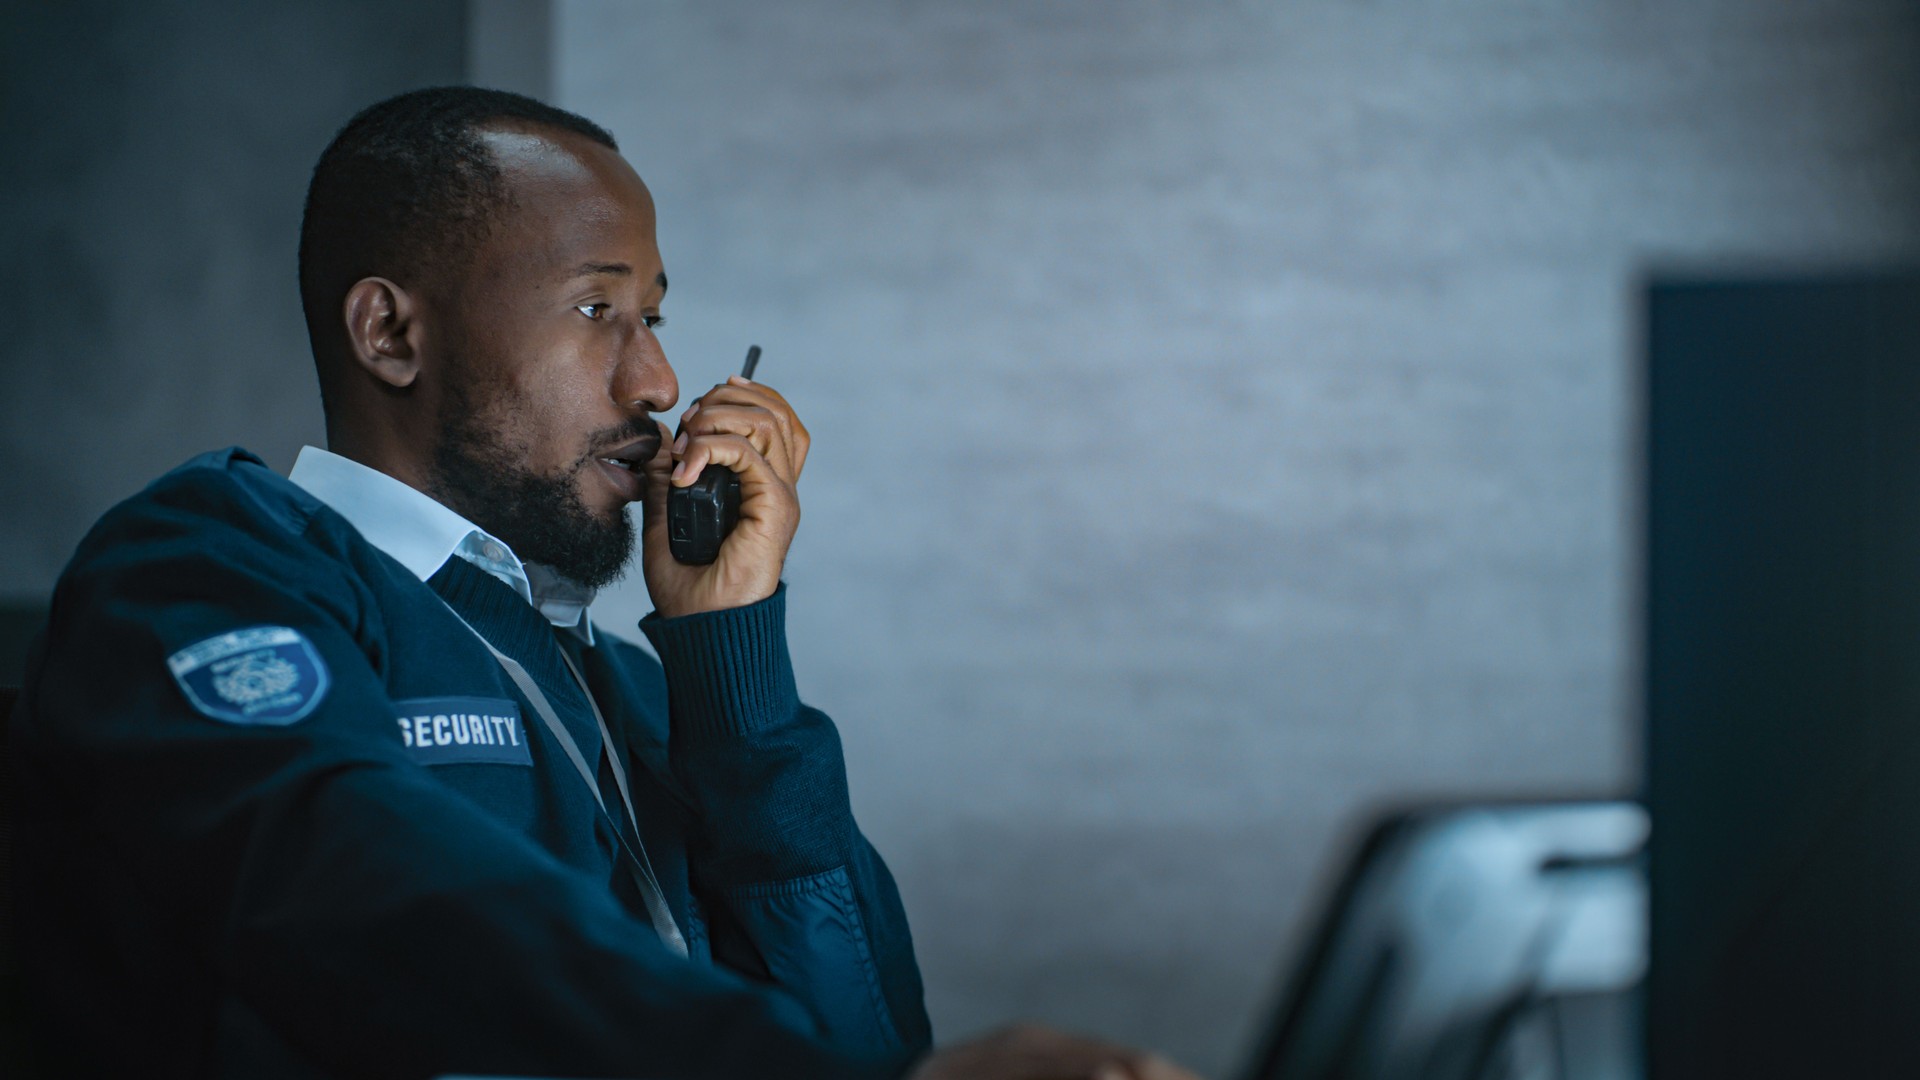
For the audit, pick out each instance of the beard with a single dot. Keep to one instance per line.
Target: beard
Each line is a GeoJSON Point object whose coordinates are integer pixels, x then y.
{"type": "Point", "coordinates": [483, 477]}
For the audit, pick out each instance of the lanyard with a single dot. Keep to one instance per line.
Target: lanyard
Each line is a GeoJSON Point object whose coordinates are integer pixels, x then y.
{"type": "Point", "coordinates": [606, 742]}
{"type": "Point", "coordinates": [657, 910]}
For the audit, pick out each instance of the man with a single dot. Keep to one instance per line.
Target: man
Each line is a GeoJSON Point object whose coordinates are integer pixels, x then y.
{"type": "Point", "coordinates": [333, 775]}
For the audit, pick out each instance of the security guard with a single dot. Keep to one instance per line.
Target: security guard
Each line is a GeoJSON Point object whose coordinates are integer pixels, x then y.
{"type": "Point", "coordinates": [334, 775]}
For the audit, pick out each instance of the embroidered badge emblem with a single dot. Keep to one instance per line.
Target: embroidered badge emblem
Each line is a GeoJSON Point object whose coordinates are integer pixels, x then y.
{"type": "Point", "coordinates": [267, 675]}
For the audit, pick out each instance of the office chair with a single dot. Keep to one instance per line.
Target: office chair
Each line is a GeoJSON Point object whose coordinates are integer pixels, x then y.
{"type": "Point", "coordinates": [1476, 942]}
{"type": "Point", "coordinates": [15, 1060]}
{"type": "Point", "coordinates": [8, 695]}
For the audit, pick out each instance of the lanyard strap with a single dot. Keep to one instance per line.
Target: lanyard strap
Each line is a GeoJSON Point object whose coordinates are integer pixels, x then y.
{"type": "Point", "coordinates": [650, 893]}
{"type": "Point", "coordinates": [606, 741]}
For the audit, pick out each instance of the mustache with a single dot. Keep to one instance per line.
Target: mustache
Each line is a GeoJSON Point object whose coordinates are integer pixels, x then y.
{"type": "Point", "coordinates": [639, 429]}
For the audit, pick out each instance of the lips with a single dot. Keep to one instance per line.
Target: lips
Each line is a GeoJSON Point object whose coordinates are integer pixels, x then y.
{"type": "Point", "coordinates": [626, 466]}
{"type": "Point", "coordinates": [633, 456]}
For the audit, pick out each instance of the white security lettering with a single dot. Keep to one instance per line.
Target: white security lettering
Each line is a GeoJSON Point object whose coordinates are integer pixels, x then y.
{"type": "Point", "coordinates": [472, 729]}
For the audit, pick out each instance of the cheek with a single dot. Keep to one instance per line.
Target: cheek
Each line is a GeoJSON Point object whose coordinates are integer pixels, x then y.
{"type": "Point", "coordinates": [556, 411]}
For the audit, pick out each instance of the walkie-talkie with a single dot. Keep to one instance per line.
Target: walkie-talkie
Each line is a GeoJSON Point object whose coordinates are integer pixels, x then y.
{"type": "Point", "coordinates": [700, 515]}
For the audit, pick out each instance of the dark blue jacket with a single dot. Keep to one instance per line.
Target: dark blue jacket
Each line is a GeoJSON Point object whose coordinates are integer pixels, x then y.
{"type": "Point", "coordinates": [304, 891]}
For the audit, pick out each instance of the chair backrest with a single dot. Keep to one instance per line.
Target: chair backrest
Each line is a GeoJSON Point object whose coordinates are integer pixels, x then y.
{"type": "Point", "coordinates": [8, 695]}
{"type": "Point", "coordinates": [1472, 941]}
{"type": "Point", "coordinates": [15, 1058]}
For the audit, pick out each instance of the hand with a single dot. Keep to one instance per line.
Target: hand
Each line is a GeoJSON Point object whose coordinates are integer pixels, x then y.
{"type": "Point", "coordinates": [750, 429]}
{"type": "Point", "coordinates": [1026, 1052]}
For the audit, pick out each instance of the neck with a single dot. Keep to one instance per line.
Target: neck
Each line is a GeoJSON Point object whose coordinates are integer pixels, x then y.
{"type": "Point", "coordinates": [382, 452]}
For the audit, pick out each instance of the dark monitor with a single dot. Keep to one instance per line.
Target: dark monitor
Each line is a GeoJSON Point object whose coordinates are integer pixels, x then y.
{"type": "Point", "coordinates": [1782, 678]}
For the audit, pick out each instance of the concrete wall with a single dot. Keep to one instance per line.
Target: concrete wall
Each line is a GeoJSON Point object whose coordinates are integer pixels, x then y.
{"type": "Point", "coordinates": [510, 46]}
{"type": "Point", "coordinates": [1222, 413]}
{"type": "Point", "coordinates": [156, 157]}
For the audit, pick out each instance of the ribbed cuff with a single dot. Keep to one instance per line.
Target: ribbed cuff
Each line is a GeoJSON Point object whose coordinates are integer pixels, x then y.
{"type": "Point", "coordinates": [728, 672]}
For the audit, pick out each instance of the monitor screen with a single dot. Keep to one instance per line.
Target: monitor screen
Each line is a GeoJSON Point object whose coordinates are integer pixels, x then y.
{"type": "Point", "coordinates": [1782, 677]}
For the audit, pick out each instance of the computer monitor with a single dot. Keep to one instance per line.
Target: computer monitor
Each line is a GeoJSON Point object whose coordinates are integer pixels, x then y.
{"type": "Point", "coordinates": [1782, 677]}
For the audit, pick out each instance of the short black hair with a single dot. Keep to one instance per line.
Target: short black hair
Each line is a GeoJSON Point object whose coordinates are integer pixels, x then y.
{"type": "Point", "coordinates": [406, 189]}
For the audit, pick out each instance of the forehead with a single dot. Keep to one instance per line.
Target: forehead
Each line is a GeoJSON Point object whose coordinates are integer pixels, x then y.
{"type": "Point", "coordinates": [574, 201]}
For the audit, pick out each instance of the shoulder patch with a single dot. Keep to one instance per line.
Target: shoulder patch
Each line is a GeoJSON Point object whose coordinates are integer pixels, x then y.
{"type": "Point", "coordinates": [263, 675]}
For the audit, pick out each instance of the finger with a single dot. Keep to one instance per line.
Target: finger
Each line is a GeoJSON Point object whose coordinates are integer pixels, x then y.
{"type": "Point", "coordinates": [737, 391]}
{"type": "Point", "coordinates": [1131, 1065]}
{"type": "Point", "coordinates": [657, 472]}
{"type": "Point", "coordinates": [757, 425]}
{"type": "Point", "coordinates": [1155, 1067]}
{"type": "Point", "coordinates": [663, 455]}
{"type": "Point", "coordinates": [742, 380]}
{"type": "Point", "coordinates": [732, 451]}
{"type": "Point", "coordinates": [698, 420]}
{"type": "Point", "coordinates": [1102, 1060]}
{"type": "Point", "coordinates": [742, 392]}
{"type": "Point", "coordinates": [1051, 1053]}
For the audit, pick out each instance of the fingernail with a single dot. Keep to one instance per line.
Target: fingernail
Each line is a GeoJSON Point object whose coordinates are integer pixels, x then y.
{"type": "Point", "coordinates": [679, 470]}
{"type": "Point", "coordinates": [680, 444]}
{"type": "Point", "coordinates": [740, 380]}
{"type": "Point", "coordinates": [691, 409]}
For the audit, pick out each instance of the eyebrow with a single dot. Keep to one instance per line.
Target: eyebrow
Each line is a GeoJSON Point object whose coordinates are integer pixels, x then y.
{"type": "Point", "coordinates": [590, 269]}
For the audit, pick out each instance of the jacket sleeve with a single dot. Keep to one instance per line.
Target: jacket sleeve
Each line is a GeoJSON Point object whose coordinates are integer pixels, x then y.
{"type": "Point", "coordinates": [371, 917]}
{"type": "Point", "coordinates": [796, 893]}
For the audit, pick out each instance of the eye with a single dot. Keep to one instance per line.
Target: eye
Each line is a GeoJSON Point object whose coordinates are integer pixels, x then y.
{"type": "Point", "coordinates": [591, 311]}
{"type": "Point", "coordinates": [655, 322]}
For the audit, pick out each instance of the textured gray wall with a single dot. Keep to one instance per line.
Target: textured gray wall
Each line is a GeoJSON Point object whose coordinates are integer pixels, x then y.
{"type": "Point", "coordinates": [1222, 413]}
{"type": "Point", "coordinates": [510, 46]}
{"type": "Point", "coordinates": [155, 159]}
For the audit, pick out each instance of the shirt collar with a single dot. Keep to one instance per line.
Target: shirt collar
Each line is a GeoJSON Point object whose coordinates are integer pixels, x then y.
{"type": "Point", "coordinates": [422, 534]}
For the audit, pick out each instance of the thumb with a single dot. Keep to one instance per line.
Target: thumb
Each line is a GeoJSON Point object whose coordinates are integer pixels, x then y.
{"type": "Point", "coordinates": [653, 502]}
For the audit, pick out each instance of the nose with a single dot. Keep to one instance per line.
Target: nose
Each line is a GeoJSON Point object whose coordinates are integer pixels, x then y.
{"type": "Point", "coordinates": [644, 381]}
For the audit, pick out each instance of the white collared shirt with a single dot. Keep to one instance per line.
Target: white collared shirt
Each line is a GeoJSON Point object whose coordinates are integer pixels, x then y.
{"type": "Point", "coordinates": [422, 534]}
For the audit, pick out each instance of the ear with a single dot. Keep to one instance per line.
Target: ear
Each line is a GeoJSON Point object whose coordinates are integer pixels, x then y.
{"type": "Point", "coordinates": [383, 331]}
